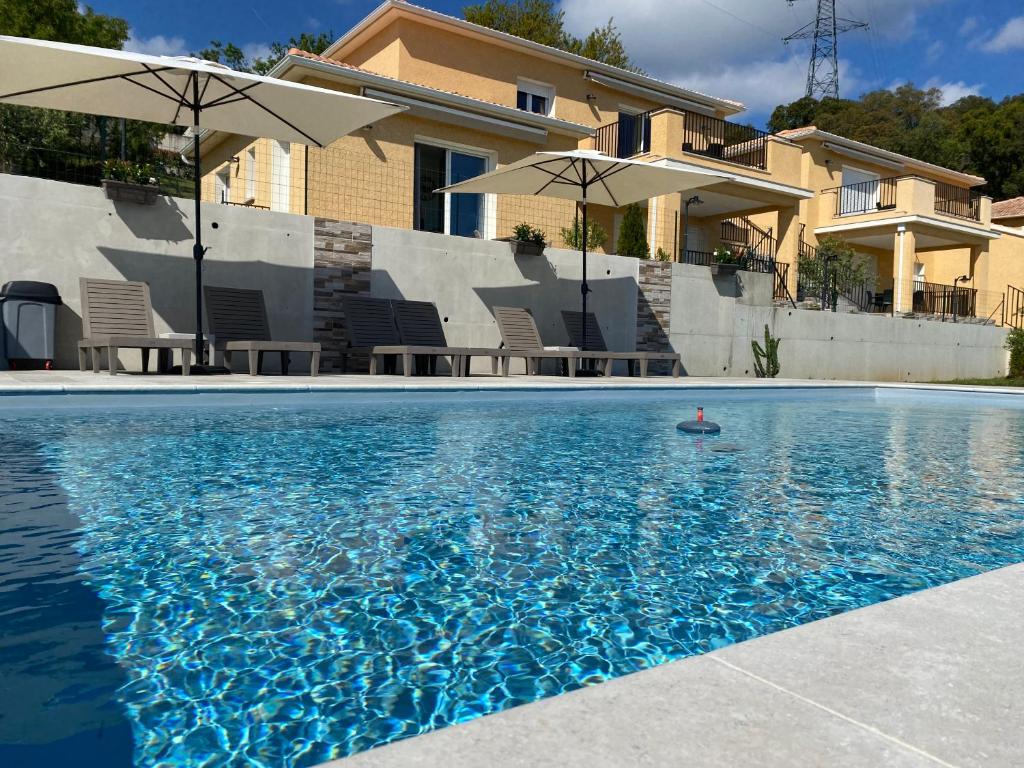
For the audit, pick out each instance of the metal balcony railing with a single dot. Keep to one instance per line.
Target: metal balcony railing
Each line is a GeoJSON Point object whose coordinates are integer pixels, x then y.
{"type": "Point", "coordinates": [630, 135]}
{"type": "Point", "coordinates": [957, 201]}
{"type": "Point", "coordinates": [865, 196]}
{"type": "Point", "coordinates": [722, 140]}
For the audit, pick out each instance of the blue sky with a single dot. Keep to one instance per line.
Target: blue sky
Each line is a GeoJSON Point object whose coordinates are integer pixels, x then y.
{"type": "Point", "coordinates": [729, 48]}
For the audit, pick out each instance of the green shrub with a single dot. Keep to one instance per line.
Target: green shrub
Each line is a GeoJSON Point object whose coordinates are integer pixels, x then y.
{"type": "Point", "coordinates": [125, 170]}
{"type": "Point", "coordinates": [1015, 343]}
{"type": "Point", "coordinates": [725, 255]}
{"type": "Point", "coordinates": [572, 236]}
{"type": "Point", "coordinates": [633, 233]}
{"type": "Point", "coordinates": [663, 255]}
{"type": "Point", "coordinates": [527, 234]}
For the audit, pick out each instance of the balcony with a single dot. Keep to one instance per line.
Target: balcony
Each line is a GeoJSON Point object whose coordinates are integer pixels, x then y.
{"type": "Point", "coordinates": [701, 135]}
{"type": "Point", "coordinates": [957, 201]}
{"type": "Point", "coordinates": [865, 196]}
{"type": "Point", "coordinates": [899, 196]}
{"type": "Point", "coordinates": [722, 140]}
{"type": "Point", "coordinates": [629, 136]}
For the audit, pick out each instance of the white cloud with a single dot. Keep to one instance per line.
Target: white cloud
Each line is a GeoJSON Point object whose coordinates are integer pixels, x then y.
{"type": "Point", "coordinates": [1009, 38]}
{"type": "Point", "coordinates": [158, 45]}
{"type": "Point", "coordinates": [934, 51]}
{"type": "Point", "coordinates": [256, 50]}
{"type": "Point", "coordinates": [733, 48]}
{"type": "Point", "coordinates": [970, 24]}
{"type": "Point", "coordinates": [952, 92]}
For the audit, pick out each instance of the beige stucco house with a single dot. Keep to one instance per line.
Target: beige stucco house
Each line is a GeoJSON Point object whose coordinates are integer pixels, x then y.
{"type": "Point", "coordinates": [477, 99]}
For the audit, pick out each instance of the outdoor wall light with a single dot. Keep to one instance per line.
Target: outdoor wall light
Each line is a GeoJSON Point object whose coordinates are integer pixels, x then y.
{"type": "Point", "coordinates": [591, 97]}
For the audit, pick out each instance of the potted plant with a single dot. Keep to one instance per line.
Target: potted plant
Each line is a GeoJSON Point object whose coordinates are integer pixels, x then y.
{"type": "Point", "coordinates": [128, 182]}
{"type": "Point", "coordinates": [726, 262]}
{"type": "Point", "coordinates": [526, 240]}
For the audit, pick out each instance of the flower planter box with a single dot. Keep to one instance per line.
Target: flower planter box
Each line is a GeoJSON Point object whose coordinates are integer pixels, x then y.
{"type": "Point", "coordinates": [724, 270]}
{"type": "Point", "coordinates": [524, 247]}
{"type": "Point", "coordinates": [127, 192]}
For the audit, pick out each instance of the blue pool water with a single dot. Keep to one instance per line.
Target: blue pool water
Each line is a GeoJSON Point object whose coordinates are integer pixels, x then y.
{"type": "Point", "coordinates": [273, 586]}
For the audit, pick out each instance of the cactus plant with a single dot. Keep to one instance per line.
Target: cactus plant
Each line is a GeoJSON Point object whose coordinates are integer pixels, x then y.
{"type": "Point", "coordinates": [766, 358]}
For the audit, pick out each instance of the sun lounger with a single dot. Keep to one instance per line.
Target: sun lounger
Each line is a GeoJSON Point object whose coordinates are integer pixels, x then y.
{"type": "Point", "coordinates": [238, 323]}
{"type": "Point", "coordinates": [521, 339]}
{"type": "Point", "coordinates": [595, 341]}
{"type": "Point", "coordinates": [373, 331]}
{"type": "Point", "coordinates": [118, 314]}
{"type": "Point", "coordinates": [419, 324]}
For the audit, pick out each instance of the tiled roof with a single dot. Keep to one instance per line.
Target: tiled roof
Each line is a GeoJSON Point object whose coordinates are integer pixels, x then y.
{"type": "Point", "coordinates": [1008, 209]}
{"type": "Point", "coordinates": [796, 133]}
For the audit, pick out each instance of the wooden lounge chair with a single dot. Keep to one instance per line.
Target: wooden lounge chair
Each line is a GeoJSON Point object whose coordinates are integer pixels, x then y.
{"type": "Point", "coordinates": [118, 314]}
{"type": "Point", "coordinates": [419, 324]}
{"type": "Point", "coordinates": [237, 318]}
{"type": "Point", "coordinates": [373, 331]}
{"type": "Point", "coordinates": [521, 339]}
{"type": "Point", "coordinates": [595, 341]}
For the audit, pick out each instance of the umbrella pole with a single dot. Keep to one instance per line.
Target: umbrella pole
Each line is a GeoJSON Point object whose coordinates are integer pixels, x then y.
{"type": "Point", "coordinates": [584, 289]}
{"type": "Point", "coordinates": [197, 248]}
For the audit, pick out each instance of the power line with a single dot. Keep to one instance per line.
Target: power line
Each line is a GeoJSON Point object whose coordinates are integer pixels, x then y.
{"type": "Point", "coordinates": [823, 72]}
{"type": "Point", "coordinates": [738, 18]}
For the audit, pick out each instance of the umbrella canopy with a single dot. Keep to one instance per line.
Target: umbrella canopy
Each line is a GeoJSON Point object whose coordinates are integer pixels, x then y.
{"type": "Point", "coordinates": [159, 89]}
{"type": "Point", "coordinates": [179, 91]}
{"type": "Point", "coordinates": [586, 176]}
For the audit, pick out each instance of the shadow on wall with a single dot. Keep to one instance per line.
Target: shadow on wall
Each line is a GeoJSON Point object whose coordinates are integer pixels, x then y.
{"type": "Point", "coordinates": [164, 220]}
{"type": "Point", "coordinates": [172, 288]}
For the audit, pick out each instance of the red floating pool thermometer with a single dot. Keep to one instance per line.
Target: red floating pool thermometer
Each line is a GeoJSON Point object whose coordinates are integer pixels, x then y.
{"type": "Point", "coordinates": [699, 427]}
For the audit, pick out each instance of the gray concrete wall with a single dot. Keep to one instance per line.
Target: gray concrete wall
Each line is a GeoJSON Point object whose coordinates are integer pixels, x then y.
{"type": "Point", "coordinates": [57, 232]}
{"type": "Point", "coordinates": [465, 277]}
{"type": "Point", "coordinates": [714, 321]}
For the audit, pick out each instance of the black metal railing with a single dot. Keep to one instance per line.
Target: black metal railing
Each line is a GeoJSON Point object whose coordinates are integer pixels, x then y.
{"type": "Point", "coordinates": [944, 300]}
{"type": "Point", "coordinates": [630, 135]}
{"type": "Point", "coordinates": [743, 231]}
{"type": "Point", "coordinates": [1013, 307]}
{"type": "Point", "coordinates": [74, 168]}
{"type": "Point", "coordinates": [957, 201]}
{"type": "Point", "coordinates": [865, 196]}
{"type": "Point", "coordinates": [722, 140]}
{"type": "Point", "coordinates": [699, 258]}
{"type": "Point", "coordinates": [828, 280]}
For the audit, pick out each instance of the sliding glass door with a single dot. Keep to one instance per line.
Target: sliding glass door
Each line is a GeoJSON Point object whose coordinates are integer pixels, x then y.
{"type": "Point", "coordinates": [458, 214]}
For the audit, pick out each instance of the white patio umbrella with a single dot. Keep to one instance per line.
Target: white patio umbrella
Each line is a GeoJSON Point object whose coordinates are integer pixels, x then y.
{"type": "Point", "coordinates": [179, 91]}
{"type": "Point", "coordinates": [584, 176]}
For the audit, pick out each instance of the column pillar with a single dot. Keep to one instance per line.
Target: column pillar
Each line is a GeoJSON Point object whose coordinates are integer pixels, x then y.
{"type": "Point", "coordinates": [903, 258]}
{"type": "Point", "coordinates": [788, 243]}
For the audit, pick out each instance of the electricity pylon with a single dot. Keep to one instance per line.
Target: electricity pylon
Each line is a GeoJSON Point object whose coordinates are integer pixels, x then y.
{"type": "Point", "coordinates": [823, 73]}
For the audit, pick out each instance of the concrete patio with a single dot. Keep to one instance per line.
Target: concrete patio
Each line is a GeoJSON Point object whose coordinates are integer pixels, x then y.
{"type": "Point", "coordinates": [933, 678]}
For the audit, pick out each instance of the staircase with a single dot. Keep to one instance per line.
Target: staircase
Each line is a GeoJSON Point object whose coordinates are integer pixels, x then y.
{"type": "Point", "coordinates": [757, 248]}
{"type": "Point", "coordinates": [850, 294]}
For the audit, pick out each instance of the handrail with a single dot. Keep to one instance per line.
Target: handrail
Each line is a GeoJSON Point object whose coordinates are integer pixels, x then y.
{"type": "Point", "coordinates": [865, 196]}
{"type": "Point", "coordinates": [722, 140]}
{"type": "Point", "coordinates": [612, 140]}
{"type": "Point", "coordinates": [962, 203]}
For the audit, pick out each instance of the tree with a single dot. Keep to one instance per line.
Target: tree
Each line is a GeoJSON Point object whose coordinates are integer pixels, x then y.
{"type": "Point", "coordinates": [234, 57]}
{"type": "Point", "coordinates": [63, 21]}
{"type": "Point", "coordinates": [537, 20]}
{"type": "Point", "coordinates": [633, 233]}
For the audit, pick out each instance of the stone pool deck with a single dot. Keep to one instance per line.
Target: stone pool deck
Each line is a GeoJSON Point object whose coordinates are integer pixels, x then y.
{"type": "Point", "coordinates": [933, 678]}
{"type": "Point", "coordinates": [78, 382]}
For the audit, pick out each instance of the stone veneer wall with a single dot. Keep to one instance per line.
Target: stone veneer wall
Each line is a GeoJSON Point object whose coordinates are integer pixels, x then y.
{"type": "Point", "coordinates": [654, 307]}
{"type": "Point", "coordinates": [342, 261]}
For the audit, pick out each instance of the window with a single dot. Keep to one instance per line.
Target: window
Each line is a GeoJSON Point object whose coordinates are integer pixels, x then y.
{"type": "Point", "coordinates": [222, 186]}
{"type": "Point", "coordinates": [280, 175]}
{"type": "Point", "coordinates": [535, 97]}
{"type": "Point", "coordinates": [450, 214]}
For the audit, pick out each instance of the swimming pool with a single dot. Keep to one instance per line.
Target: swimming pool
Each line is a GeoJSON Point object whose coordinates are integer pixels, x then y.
{"type": "Point", "coordinates": [290, 582]}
